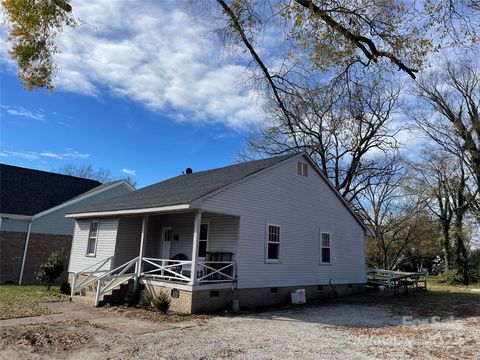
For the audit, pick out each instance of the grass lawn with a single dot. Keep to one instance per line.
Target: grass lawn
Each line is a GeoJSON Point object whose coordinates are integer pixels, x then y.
{"type": "Point", "coordinates": [29, 300]}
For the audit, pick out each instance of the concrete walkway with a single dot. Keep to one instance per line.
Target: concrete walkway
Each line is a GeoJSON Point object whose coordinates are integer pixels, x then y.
{"type": "Point", "coordinates": [64, 311]}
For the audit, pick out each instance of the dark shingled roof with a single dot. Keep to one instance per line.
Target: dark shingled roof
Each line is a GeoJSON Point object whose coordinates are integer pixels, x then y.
{"type": "Point", "coordinates": [29, 192]}
{"type": "Point", "coordinates": [183, 189]}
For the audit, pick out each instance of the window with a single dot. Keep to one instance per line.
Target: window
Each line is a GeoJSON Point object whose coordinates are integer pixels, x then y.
{"type": "Point", "coordinates": [203, 241]}
{"type": "Point", "coordinates": [273, 243]}
{"type": "Point", "coordinates": [92, 238]}
{"type": "Point", "coordinates": [325, 248]}
{"type": "Point", "coordinates": [302, 168]}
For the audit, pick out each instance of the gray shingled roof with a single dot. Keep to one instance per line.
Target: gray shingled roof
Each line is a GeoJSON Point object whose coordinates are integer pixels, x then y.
{"type": "Point", "coordinates": [184, 189]}
{"type": "Point", "coordinates": [28, 191]}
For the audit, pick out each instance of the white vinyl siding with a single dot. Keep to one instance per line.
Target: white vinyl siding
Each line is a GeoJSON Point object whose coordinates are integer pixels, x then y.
{"type": "Point", "coordinates": [107, 234]}
{"type": "Point", "coordinates": [301, 208]}
{"type": "Point", "coordinates": [127, 246]}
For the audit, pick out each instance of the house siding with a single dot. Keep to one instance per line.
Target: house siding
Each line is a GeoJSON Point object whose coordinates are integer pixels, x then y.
{"type": "Point", "coordinates": [302, 206]}
{"type": "Point", "coordinates": [14, 225]}
{"type": "Point", "coordinates": [223, 233]}
{"type": "Point", "coordinates": [107, 236]}
{"type": "Point", "coordinates": [56, 222]}
{"type": "Point", "coordinates": [128, 240]}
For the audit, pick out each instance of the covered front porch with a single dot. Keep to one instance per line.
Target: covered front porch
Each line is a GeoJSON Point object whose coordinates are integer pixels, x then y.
{"type": "Point", "coordinates": [184, 250]}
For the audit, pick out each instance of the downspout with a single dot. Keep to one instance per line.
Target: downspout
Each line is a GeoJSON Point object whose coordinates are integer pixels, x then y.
{"type": "Point", "coordinates": [25, 252]}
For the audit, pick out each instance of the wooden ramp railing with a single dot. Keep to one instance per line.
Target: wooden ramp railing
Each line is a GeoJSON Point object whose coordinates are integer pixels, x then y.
{"type": "Point", "coordinates": [396, 280]}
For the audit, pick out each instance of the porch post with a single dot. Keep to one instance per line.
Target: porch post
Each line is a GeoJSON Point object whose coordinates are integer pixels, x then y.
{"type": "Point", "coordinates": [143, 240]}
{"type": "Point", "coordinates": [196, 237]}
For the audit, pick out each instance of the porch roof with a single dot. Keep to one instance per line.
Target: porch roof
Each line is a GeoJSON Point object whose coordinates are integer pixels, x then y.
{"type": "Point", "coordinates": [181, 190]}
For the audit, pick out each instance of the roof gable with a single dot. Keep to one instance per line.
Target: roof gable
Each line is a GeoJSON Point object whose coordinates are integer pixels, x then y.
{"type": "Point", "coordinates": [28, 192]}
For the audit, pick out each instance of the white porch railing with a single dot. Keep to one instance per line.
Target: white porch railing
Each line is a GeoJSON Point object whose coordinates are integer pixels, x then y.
{"type": "Point", "coordinates": [166, 269]}
{"type": "Point", "coordinates": [180, 270]}
{"type": "Point", "coordinates": [114, 278]}
{"type": "Point", "coordinates": [91, 275]}
{"type": "Point", "coordinates": [216, 271]}
{"type": "Point", "coordinates": [163, 269]}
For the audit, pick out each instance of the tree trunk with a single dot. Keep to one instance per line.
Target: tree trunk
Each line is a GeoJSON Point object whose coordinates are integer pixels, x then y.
{"type": "Point", "coordinates": [461, 254]}
{"type": "Point", "coordinates": [446, 244]}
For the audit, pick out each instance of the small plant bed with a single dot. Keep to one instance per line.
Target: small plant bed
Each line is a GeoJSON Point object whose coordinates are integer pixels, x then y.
{"type": "Point", "coordinates": [18, 301]}
{"type": "Point", "coordinates": [151, 314]}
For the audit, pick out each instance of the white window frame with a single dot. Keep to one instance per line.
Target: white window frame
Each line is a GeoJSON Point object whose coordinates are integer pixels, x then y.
{"type": "Point", "coordinates": [325, 247]}
{"type": "Point", "coordinates": [207, 248]}
{"type": "Point", "coordinates": [92, 237]}
{"type": "Point", "coordinates": [302, 168]}
{"type": "Point", "coordinates": [267, 241]}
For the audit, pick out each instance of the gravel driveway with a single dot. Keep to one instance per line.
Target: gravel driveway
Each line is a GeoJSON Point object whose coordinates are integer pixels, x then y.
{"type": "Point", "coordinates": [327, 332]}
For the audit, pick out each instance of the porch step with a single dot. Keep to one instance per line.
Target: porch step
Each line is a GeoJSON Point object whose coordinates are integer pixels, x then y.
{"type": "Point", "coordinates": [114, 296]}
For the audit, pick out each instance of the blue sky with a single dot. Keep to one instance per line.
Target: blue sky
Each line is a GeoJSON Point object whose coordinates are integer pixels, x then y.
{"type": "Point", "coordinates": [149, 95]}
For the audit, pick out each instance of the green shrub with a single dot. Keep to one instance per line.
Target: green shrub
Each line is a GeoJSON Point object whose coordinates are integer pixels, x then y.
{"type": "Point", "coordinates": [451, 277]}
{"type": "Point", "coordinates": [51, 269]}
{"type": "Point", "coordinates": [132, 296]}
{"type": "Point", "coordinates": [145, 301]}
{"type": "Point", "coordinates": [161, 302]}
{"type": "Point", "coordinates": [65, 288]}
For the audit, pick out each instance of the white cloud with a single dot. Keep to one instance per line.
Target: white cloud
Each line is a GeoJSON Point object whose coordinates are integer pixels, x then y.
{"type": "Point", "coordinates": [33, 155]}
{"type": "Point", "coordinates": [157, 55]}
{"type": "Point", "coordinates": [129, 171]}
{"type": "Point", "coordinates": [21, 111]}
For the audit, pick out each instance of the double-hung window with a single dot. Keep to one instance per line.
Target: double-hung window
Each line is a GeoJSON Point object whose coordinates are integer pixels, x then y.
{"type": "Point", "coordinates": [325, 248]}
{"type": "Point", "coordinates": [203, 241]}
{"type": "Point", "coordinates": [92, 238]}
{"type": "Point", "coordinates": [273, 243]}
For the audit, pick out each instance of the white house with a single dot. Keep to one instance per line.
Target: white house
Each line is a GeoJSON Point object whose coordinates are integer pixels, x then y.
{"type": "Point", "coordinates": [251, 232]}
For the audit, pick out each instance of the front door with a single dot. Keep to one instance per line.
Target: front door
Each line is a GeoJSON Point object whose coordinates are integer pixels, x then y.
{"type": "Point", "coordinates": [165, 247]}
{"type": "Point", "coordinates": [166, 243]}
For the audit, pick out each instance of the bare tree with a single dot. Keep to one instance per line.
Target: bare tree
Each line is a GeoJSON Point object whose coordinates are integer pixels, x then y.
{"type": "Point", "coordinates": [451, 119]}
{"type": "Point", "coordinates": [344, 126]}
{"type": "Point", "coordinates": [397, 221]}
{"type": "Point", "coordinates": [432, 179]}
{"type": "Point", "coordinates": [88, 171]}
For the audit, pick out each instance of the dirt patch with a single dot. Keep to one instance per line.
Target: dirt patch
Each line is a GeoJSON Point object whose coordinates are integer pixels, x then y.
{"type": "Point", "coordinates": [45, 338]}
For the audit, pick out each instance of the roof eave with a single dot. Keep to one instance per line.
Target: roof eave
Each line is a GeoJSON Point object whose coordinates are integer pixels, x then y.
{"type": "Point", "coordinates": [108, 213]}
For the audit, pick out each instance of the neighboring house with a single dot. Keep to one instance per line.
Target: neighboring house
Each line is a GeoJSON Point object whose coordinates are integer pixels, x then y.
{"type": "Point", "coordinates": [251, 232]}
{"type": "Point", "coordinates": [33, 204]}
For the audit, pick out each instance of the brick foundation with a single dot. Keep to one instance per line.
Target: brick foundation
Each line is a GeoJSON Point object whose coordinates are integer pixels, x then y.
{"type": "Point", "coordinates": [40, 246]}
{"type": "Point", "coordinates": [201, 301]}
